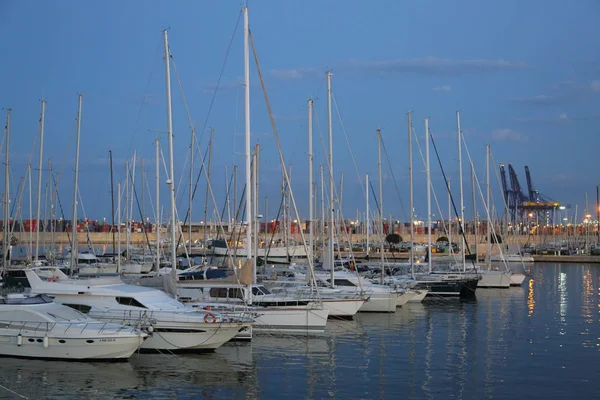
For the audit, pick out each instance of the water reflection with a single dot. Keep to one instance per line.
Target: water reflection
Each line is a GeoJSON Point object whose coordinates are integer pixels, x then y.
{"type": "Point", "coordinates": [530, 298]}
{"type": "Point", "coordinates": [504, 343]}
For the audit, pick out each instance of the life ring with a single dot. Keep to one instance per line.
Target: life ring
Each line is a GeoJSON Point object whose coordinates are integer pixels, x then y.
{"type": "Point", "coordinates": [52, 279]}
{"type": "Point", "coordinates": [210, 318]}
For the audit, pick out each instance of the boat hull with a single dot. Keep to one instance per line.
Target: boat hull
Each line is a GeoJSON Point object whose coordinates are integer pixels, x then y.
{"type": "Point", "coordinates": [404, 298]}
{"type": "Point", "coordinates": [517, 279]}
{"type": "Point", "coordinates": [36, 345]}
{"type": "Point", "coordinates": [462, 288]}
{"type": "Point", "coordinates": [418, 296]}
{"type": "Point", "coordinates": [494, 280]}
{"type": "Point", "coordinates": [342, 308]}
{"type": "Point", "coordinates": [290, 320]}
{"type": "Point", "coordinates": [205, 338]}
{"type": "Point", "coordinates": [380, 302]}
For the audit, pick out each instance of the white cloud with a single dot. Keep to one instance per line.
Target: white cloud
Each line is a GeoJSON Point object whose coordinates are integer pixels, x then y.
{"type": "Point", "coordinates": [563, 116]}
{"type": "Point", "coordinates": [293, 73]}
{"type": "Point", "coordinates": [426, 65]}
{"type": "Point", "coordinates": [437, 66]}
{"type": "Point", "coordinates": [508, 135]}
{"type": "Point", "coordinates": [595, 86]}
{"type": "Point", "coordinates": [444, 88]}
{"type": "Point", "coordinates": [539, 99]}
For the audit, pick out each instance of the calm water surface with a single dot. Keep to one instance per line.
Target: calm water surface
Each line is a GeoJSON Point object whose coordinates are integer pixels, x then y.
{"type": "Point", "coordinates": [540, 341]}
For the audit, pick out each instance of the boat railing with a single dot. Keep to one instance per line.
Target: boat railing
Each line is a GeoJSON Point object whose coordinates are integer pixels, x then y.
{"type": "Point", "coordinates": [46, 326]}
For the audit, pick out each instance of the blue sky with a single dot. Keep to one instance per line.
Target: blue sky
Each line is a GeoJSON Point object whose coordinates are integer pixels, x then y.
{"type": "Point", "coordinates": [525, 75]}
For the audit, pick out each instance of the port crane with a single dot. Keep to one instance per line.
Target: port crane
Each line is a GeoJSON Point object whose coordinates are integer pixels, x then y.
{"type": "Point", "coordinates": [519, 203]}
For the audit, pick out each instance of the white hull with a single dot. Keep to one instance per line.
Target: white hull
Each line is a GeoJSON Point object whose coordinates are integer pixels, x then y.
{"type": "Point", "coordinates": [494, 279]}
{"type": "Point", "coordinates": [342, 308]}
{"type": "Point", "coordinates": [80, 348]}
{"type": "Point", "coordinates": [517, 279]}
{"type": "Point", "coordinates": [206, 338]}
{"type": "Point", "coordinates": [290, 320]}
{"type": "Point", "coordinates": [403, 298]}
{"type": "Point", "coordinates": [380, 302]}
{"type": "Point", "coordinates": [174, 332]}
{"type": "Point", "coordinates": [418, 295]}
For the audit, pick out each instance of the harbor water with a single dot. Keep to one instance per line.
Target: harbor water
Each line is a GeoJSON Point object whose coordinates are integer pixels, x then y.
{"type": "Point", "coordinates": [539, 341]}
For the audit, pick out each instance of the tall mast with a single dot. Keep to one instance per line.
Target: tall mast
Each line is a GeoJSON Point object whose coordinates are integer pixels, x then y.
{"type": "Point", "coordinates": [74, 245]}
{"type": "Point", "coordinates": [322, 170]}
{"type": "Point", "coordinates": [411, 206]}
{"type": "Point", "coordinates": [212, 132]}
{"type": "Point", "coordinates": [192, 136]}
{"type": "Point", "coordinates": [112, 202]}
{"type": "Point", "coordinates": [39, 191]}
{"type": "Point", "coordinates": [381, 248]}
{"type": "Point", "coordinates": [255, 207]}
{"type": "Point", "coordinates": [475, 224]}
{"type": "Point", "coordinates": [171, 178]}
{"type": "Point", "coordinates": [235, 207]}
{"type": "Point", "coordinates": [52, 210]}
{"type": "Point", "coordinates": [143, 189]}
{"type": "Point", "coordinates": [461, 225]}
{"type": "Point", "coordinates": [450, 246]}
{"type": "Point", "coordinates": [331, 209]}
{"type": "Point", "coordinates": [310, 183]}
{"type": "Point", "coordinates": [118, 249]}
{"type": "Point", "coordinates": [30, 250]}
{"type": "Point", "coordinates": [127, 227]}
{"type": "Point", "coordinates": [130, 203]}
{"type": "Point", "coordinates": [428, 172]}
{"type": "Point", "coordinates": [157, 216]}
{"type": "Point", "coordinates": [247, 143]}
{"type": "Point", "coordinates": [6, 222]}
{"type": "Point", "coordinates": [487, 202]}
{"type": "Point", "coordinates": [367, 213]}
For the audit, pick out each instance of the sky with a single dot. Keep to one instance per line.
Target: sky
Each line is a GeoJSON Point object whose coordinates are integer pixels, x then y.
{"type": "Point", "coordinates": [524, 75]}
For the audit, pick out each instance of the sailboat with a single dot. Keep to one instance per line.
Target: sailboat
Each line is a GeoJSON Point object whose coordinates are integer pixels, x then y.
{"type": "Point", "coordinates": [241, 292]}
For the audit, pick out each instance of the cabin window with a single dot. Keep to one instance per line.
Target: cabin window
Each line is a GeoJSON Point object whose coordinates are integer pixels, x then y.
{"type": "Point", "coordinates": [79, 307]}
{"type": "Point", "coordinates": [236, 293]}
{"type": "Point", "coordinates": [342, 282]}
{"type": "Point", "coordinates": [264, 290]}
{"type": "Point", "coordinates": [129, 301]}
{"type": "Point", "coordinates": [218, 293]}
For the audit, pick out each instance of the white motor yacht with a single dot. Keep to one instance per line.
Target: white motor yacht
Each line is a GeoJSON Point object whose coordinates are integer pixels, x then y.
{"type": "Point", "coordinates": [173, 325]}
{"type": "Point", "coordinates": [36, 327]}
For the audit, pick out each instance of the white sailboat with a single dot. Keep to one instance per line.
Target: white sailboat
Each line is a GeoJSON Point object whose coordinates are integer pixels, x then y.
{"type": "Point", "coordinates": [240, 294]}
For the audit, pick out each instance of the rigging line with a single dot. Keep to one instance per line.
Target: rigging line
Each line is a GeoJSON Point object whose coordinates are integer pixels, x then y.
{"type": "Point", "coordinates": [364, 189]}
{"type": "Point", "coordinates": [137, 201]}
{"type": "Point", "coordinates": [212, 101]}
{"type": "Point", "coordinates": [88, 242]}
{"type": "Point", "coordinates": [64, 160]}
{"type": "Point", "coordinates": [227, 196]}
{"type": "Point", "coordinates": [281, 204]}
{"type": "Point", "coordinates": [393, 177]}
{"type": "Point", "coordinates": [460, 223]}
{"type": "Point", "coordinates": [335, 194]}
{"type": "Point", "coordinates": [62, 211]}
{"type": "Point", "coordinates": [498, 180]}
{"type": "Point", "coordinates": [196, 150]}
{"type": "Point", "coordinates": [139, 115]}
{"type": "Point", "coordinates": [281, 158]}
{"type": "Point", "coordinates": [431, 183]}
{"type": "Point", "coordinates": [360, 181]}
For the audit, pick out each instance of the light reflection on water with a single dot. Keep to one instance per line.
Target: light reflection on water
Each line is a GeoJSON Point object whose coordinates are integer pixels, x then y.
{"type": "Point", "coordinates": [541, 342]}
